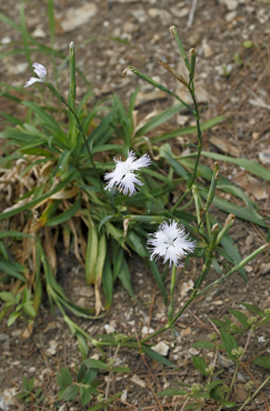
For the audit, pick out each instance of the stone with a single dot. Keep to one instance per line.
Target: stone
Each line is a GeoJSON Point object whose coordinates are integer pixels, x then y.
{"type": "Point", "coordinates": [179, 12]}
{"type": "Point", "coordinates": [146, 330]}
{"type": "Point", "coordinates": [5, 41]}
{"type": "Point", "coordinates": [124, 395]}
{"type": "Point", "coordinates": [207, 50]}
{"type": "Point", "coordinates": [230, 16]}
{"type": "Point", "coordinates": [231, 4]}
{"type": "Point", "coordinates": [53, 345]}
{"type": "Point", "coordinates": [185, 287]}
{"type": "Point", "coordinates": [136, 380]}
{"type": "Point", "coordinates": [110, 328]}
{"type": "Point", "coordinates": [193, 351]}
{"type": "Point", "coordinates": [265, 268]}
{"type": "Point", "coordinates": [20, 68]}
{"type": "Point", "coordinates": [164, 15]}
{"type": "Point", "coordinates": [38, 33]}
{"type": "Point", "coordinates": [82, 302]}
{"type": "Point", "coordinates": [4, 337]}
{"type": "Point", "coordinates": [161, 348]}
{"type": "Point", "coordinates": [16, 333]}
{"type": "Point", "coordinates": [7, 398]}
{"type": "Point", "coordinates": [264, 156]}
{"type": "Point", "coordinates": [75, 17]}
{"type": "Point", "coordinates": [143, 98]}
{"type": "Point", "coordinates": [139, 15]}
{"type": "Point", "coordinates": [86, 291]}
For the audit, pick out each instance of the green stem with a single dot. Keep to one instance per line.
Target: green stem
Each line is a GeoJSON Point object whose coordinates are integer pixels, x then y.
{"type": "Point", "coordinates": [62, 99]}
{"type": "Point", "coordinates": [173, 281]}
{"type": "Point", "coordinates": [236, 267]}
{"type": "Point", "coordinates": [196, 114]}
{"type": "Point", "coordinates": [199, 133]}
{"type": "Point", "coordinates": [193, 296]}
{"type": "Point", "coordinates": [249, 399]}
{"type": "Point", "coordinates": [154, 200]}
{"type": "Point", "coordinates": [233, 380]}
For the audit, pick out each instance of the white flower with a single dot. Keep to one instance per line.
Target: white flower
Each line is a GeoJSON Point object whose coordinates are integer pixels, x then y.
{"type": "Point", "coordinates": [170, 242]}
{"type": "Point", "coordinates": [123, 176]}
{"type": "Point", "coordinates": [40, 71]}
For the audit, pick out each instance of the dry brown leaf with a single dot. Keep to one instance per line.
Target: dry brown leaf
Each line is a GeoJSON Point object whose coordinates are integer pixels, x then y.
{"type": "Point", "coordinates": [224, 146]}
{"type": "Point", "coordinates": [50, 250]}
{"type": "Point", "coordinates": [250, 184]}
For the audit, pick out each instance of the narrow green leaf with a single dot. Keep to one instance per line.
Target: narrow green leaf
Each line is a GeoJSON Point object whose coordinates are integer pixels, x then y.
{"type": "Point", "coordinates": [11, 268]}
{"type": "Point", "coordinates": [31, 384]}
{"type": "Point", "coordinates": [29, 309]}
{"type": "Point", "coordinates": [72, 176]}
{"type": "Point", "coordinates": [204, 344]}
{"type": "Point", "coordinates": [157, 357]}
{"type": "Point", "coordinates": [229, 343]}
{"type": "Point", "coordinates": [251, 166]}
{"type": "Point", "coordinates": [166, 152]}
{"type": "Point", "coordinates": [241, 317]}
{"type": "Point", "coordinates": [7, 296]}
{"type": "Point", "coordinates": [89, 376]}
{"type": "Point", "coordinates": [253, 309]}
{"type": "Point", "coordinates": [188, 130]}
{"type": "Point", "coordinates": [96, 364]}
{"type": "Point", "coordinates": [81, 372]}
{"type": "Point", "coordinates": [262, 362]}
{"type": "Point", "coordinates": [66, 215]}
{"type": "Point", "coordinates": [124, 276]}
{"type": "Point", "coordinates": [66, 375]}
{"type": "Point", "coordinates": [137, 244]}
{"type": "Point", "coordinates": [200, 364]}
{"type": "Point", "coordinates": [107, 282]}
{"type": "Point", "coordinates": [121, 369]}
{"type": "Point", "coordinates": [85, 395]}
{"type": "Point", "coordinates": [157, 277]}
{"type": "Point", "coordinates": [159, 119]}
{"type": "Point", "coordinates": [83, 346]}
{"type": "Point", "coordinates": [70, 393]}
{"type": "Point", "coordinates": [173, 391]}
{"type": "Point", "coordinates": [12, 318]}
{"type": "Point", "coordinates": [228, 404]}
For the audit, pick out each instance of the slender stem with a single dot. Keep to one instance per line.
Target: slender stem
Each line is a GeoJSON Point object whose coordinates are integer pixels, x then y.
{"type": "Point", "coordinates": [199, 133]}
{"type": "Point", "coordinates": [173, 281]}
{"type": "Point", "coordinates": [196, 114]}
{"type": "Point", "coordinates": [249, 399]}
{"type": "Point", "coordinates": [233, 379]}
{"type": "Point", "coordinates": [192, 297]}
{"type": "Point", "coordinates": [62, 99]}
{"type": "Point", "coordinates": [155, 201]}
{"type": "Point", "coordinates": [236, 267]}
{"type": "Point", "coordinates": [179, 201]}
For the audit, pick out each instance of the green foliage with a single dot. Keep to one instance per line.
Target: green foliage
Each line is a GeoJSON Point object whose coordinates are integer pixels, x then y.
{"type": "Point", "coordinates": [21, 304]}
{"type": "Point", "coordinates": [29, 394]}
{"type": "Point", "coordinates": [86, 382]}
{"type": "Point", "coordinates": [220, 390]}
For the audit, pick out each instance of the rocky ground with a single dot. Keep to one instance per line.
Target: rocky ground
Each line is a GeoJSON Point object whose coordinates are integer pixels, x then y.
{"type": "Point", "coordinates": [231, 38]}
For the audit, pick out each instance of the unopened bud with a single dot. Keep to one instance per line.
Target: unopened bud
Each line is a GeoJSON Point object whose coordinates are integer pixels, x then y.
{"type": "Point", "coordinates": [252, 320]}
{"type": "Point", "coordinates": [214, 228]}
{"type": "Point", "coordinates": [213, 336]}
{"type": "Point", "coordinates": [124, 72]}
{"type": "Point", "coordinates": [249, 385]}
{"type": "Point", "coordinates": [230, 218]}
{"type": "Point", "coordinates": [195, 387]}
